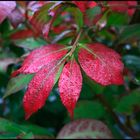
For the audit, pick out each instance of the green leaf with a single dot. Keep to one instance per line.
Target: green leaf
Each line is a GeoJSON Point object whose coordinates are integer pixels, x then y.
{"type": "Point", "coordinates": [8, 136]}
{"type": "Point", "coordinates": [27, 131]}
{"type": "Point", "coordinates": [93, 12]}
{"type": "Point", "coordinates": [132, 62]}
{"type": "Point", "coordinates": [86, 92]}
{"type": "Point", "coordinates": [43, 15]}
{"type": "Point", "coordinates": [111, 94]}
{"type": "Point", "coordinates": [30, 43]}
{"type": "Point", "coordinates": [89, 109]}
{"type": "Point", "coordinates": [28, 136]}
{"type": "Point", "coordinates": [7, 126]}
{"type": "Point", "coordinates": [77, 14]}
{"type": "Point", "coordinates": [95, 87]}
{"type": "Point", "coordinates": [106, 35]}
{"type": "Point", "coordinates": [129, 33]}
{"type": "Point", "coordinates": [36, 130]}
{"type": "Point", "coordinates": [17, 83]}
{"type": "Point", "coordinates": [117, 19]}
{"type": "Point", "coordinates": [128, 102]}
{"type": "Point", "coordinates": [58, 73]}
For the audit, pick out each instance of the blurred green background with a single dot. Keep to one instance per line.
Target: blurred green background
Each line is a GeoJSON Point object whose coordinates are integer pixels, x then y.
{"type": "Point", "coordinates": [95, 101]}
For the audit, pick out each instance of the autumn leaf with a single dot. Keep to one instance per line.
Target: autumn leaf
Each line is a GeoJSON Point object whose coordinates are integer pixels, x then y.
{"type": "Point", "coordinates": [45, 62]}
{"type": "Point", "coordinates": [40, 57]}
{"type": "Point", "coordinates": [58, 29]}
{"type": "Point", "coordinates": [123, 6]}
{"type": "Point", "coordinates": [85, 129]}
{"type": "Point", "coordinates": [101, 64]}
{"type": "Point", "coordinates": [6, 8]}
{"type": "Point", "coordinates": [42, 19]}
{"type": "Point", "coordinates": [70, 84]}
{"type": "Point", "coordinates": [22, 34]}
{"type": "Point", "coordinates": [39, 89]}
{"type": "Point", "coordinates": [84, 5]}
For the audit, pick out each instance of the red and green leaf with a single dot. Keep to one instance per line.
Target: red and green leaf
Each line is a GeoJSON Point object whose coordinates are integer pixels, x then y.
{"type": "Point", "coordinates": [84, 5]}
{"type": "Point", "coordinates": [43, 19]}
{"type": "Point", "coordinates": [123, 6]}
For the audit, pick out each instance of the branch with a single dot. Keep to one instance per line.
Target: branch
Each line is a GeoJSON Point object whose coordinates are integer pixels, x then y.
{"type": "Point", "coordinates": [109, 109]}
{"type": "Point", "coordinates": [128, 123]}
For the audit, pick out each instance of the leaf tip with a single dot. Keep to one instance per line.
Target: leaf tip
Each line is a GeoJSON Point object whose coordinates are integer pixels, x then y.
{"type": "Point", "coordinates": [15, 73]}
{"type": "Point", "coordinates": [27, 116]}
{"type": "Point", "coordinates": [71, 113]}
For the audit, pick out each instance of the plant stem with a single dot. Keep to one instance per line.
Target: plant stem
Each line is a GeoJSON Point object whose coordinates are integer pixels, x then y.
{"type": "Point", "coordinates": [128, 123]}
{"type": "Point", "coordinates": [109, 109]}
{"type": "Point", "coordinates": [75, 41]}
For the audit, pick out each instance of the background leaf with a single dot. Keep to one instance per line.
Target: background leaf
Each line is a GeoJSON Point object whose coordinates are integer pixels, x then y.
{"type": "Point", "coordinates": [17, 83]}
{"type": "Point", "coordinates": [13, 130]}
{"type": "Point", "coordinates": [128, 102]}
{"type": "Point", "coordinates": [77, 14]}
{"type": "Point", "coordinates": [116, 19]}
{"type": "Point", "coordinates": [132, 62]}
{"type": "Point", "coordinates": [89, 109]}
{"type": "Point", "coordinates": [93, 12]}
{"type": "Point", "coordinates": [129, 33]}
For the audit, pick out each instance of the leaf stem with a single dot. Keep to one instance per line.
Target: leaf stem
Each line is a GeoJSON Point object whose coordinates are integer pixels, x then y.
{"type": "Point", "coordinates": [75, 41]}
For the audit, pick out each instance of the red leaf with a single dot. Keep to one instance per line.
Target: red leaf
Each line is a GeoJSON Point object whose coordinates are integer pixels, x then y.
{"type": "Point", "coordinates": [43, 19]}
{"type": "Point", "coordinates": [70, 84]}
{"type": "Point", "coordinates": [81, 5]}
{"type": "Point", "coordinates": [22, 34]}
{"type": "Point", "coordinates": [122, 6]}
{"type": "Point", "coordinates": [102, 65]}
{"type": "Point", "coordinates": [39, 89]}
{"type": "Point", "coordinates": [40, 21]}
{"type": "Point", "coordinates": [131, 10]}
{"type": "Point", "coordinates": [92, 4]}
{"type": "Point", "coordinates": [59, 28]}
{"type": "Point", "coordinates": [41, 57]}
{"type": "Point", "coordinates": [37, 26]}
{"type": "Point", "coordinates": [84, 5]}
{"type": "Point", "coordinates": [6, 8]}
